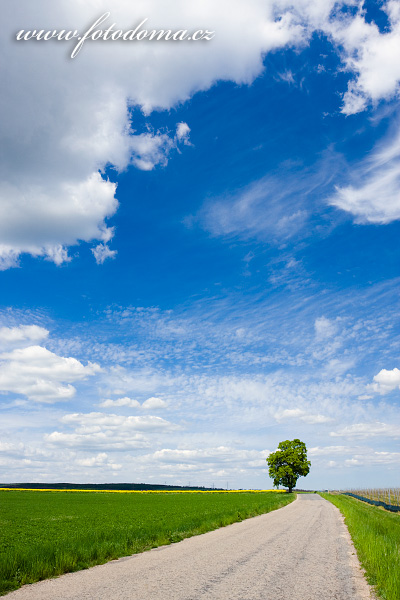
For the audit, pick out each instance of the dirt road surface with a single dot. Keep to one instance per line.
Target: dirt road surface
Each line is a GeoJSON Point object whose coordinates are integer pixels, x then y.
{"type": "Point", "coordinates": [300, 552]}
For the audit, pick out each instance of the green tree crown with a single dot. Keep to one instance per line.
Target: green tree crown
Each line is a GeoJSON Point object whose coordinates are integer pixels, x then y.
{"type": "Point", "coordinates": [288, 463]}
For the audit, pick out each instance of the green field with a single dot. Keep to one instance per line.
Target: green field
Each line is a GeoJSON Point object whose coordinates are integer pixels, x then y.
{"type": "Point", "coordinates": [376, 536]}
{"type": "Point", "coordinates": [44, 534]}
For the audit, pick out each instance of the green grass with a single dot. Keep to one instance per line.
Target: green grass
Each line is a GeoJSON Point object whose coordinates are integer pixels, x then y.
{"type": "Point", "coordinates": [376, 537]}
{"type": "Point", "coordinates": [45, 534]}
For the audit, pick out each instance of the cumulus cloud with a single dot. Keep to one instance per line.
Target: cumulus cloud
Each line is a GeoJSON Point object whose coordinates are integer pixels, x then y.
{"type": "Point", "coordinates": [182, 133]}
{"type": "Point", "coordinates": [108, 431]}
{"type": "Point", "coordinates": [99, 460]}
{"type": "Point", "coordinates": [41, 218]}
{"type": "Point", "coordinates": [23, 335]}
{"type": "Point", "coordinates": [129, 402]}
{"type": "Point", "coordinates": [154, 403]}
{"type": "Point", "coordinates": [150, 150]}
{"type": "Point", "coordinates": [386, 381]}
{"type": "Point", "coordinates": [222, 460]}
{"type": "Point", "coordinates": [351, 456]}
{"type": "Point", "coordinates": [23, 462]}
{"type": "Point", "coordinates": [41, 375]}
{"type": "Point", "coordinates": [91, 421]}
{"type": "Point", "coordinates": [369, 54]}
{"type": "Point", "coordinates": [329, 450]}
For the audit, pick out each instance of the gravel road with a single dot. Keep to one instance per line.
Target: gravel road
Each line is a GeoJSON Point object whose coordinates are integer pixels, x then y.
{"type": "Point", "coordinates": [300, 552]}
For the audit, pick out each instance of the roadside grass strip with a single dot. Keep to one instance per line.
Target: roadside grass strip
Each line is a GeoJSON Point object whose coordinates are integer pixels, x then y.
{"type": "Point", "coordinates": [44, 534]}
{"type": "Point", "coordinates": [376, 537]}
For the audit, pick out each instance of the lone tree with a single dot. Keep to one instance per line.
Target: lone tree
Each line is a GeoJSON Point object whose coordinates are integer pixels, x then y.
{"type": "Point", "coordinates": [288, 463]}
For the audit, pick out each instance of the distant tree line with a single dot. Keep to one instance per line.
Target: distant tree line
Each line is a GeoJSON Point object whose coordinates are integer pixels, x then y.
{"type": "Point", "coordinates": [102, 486]}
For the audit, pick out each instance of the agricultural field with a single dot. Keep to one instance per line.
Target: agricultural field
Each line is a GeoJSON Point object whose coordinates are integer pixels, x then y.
{"type": "Point", "coordinates": [389, 496]}
{"type": "Point", "coordinates": [46, 533]}
{"type": "Point", "coordinates": [376, 537]}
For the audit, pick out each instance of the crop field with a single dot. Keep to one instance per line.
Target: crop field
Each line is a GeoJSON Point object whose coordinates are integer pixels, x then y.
{"type": "Point", "coordinates": [376, 537]}
{"type": "Point", "coordinates": [46, 533]}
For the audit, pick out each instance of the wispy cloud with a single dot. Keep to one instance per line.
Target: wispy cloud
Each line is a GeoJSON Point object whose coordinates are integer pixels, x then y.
{"type": "Point", "coordinates": [367, 430]}
{"type": "Point", "coordinates": [373, 193]}
{"type": "Point", "coordinates": [281, 208]}
{"type": "Point", "coordinates": [264, 210]}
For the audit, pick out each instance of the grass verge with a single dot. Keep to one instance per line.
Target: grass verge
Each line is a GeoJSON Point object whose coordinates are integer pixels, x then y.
{"type": "Point", "coordinates": [44, 534]}
{"type": "Point", "coordinates": [376, 537]}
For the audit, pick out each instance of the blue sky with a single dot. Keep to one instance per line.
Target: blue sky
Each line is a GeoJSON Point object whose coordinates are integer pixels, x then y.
{"type": "Point", "coordinates": [199, 245]}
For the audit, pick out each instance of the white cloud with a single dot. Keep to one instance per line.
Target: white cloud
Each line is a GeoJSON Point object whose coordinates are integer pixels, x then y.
{"type": "Point", "coordinates": [129, 402]}
{"type": "Point", "coordinates": [264, 210]}
{"type": "Point", "coordinates": [154, 403]}
{"type": "Point", "coordinates": [28, 462]}
{"type": "Point", "coordinates": [352, 456]}
{"type": "Point", "coordinates": [337, 366]}
{"type": "Point", "coordinates": [386, 381]}
{"type": "Point", "coordinates": [369, 54]}
{"type": "Point", "coordinates": [100, 459]}
{"type": "Point", "coordinates": [101, 252]}
{"type": "Point", "coordinates": [382, 458]}
{"type": "Point", "coordinates": [91, 421]}
{"type": "Point", "coordinates": [120, 380]}
{"type": "Point", "coordinates": [373, 458]}
{"type": "Point", "coordinates": [355, 100]}
{"type": "Point", "coordinates": [11, 448]}
{"type": "Point", "coordinates": [108, 431]}
{"type": "Point", "coordinates": [302, 402]}
{"type": "Point", "coordinates": [374, 196]}
{"type": "Point", "coordinates": [328, 450]}
{"type": "Point", "coordinates": [41, 375]}
{"type": "Point", "coordinates": [42, 217]}
{"type": "Point", "coordinates": [228, 459]}
{"type": "Point", "coordinates": [182, 133]}
{"type": "Point", "coordinates": [325, 328]}
{"type": "Point", "coordinates": [301, 415]}
{"type": "Point", "coordinates": [23, 335]}
{"type": "Point", "coordinates": [149, 150]}
{"type": "Point", "coordinates": [366, 430]}
{"type": "Point", "coordinates": [286, 76]}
